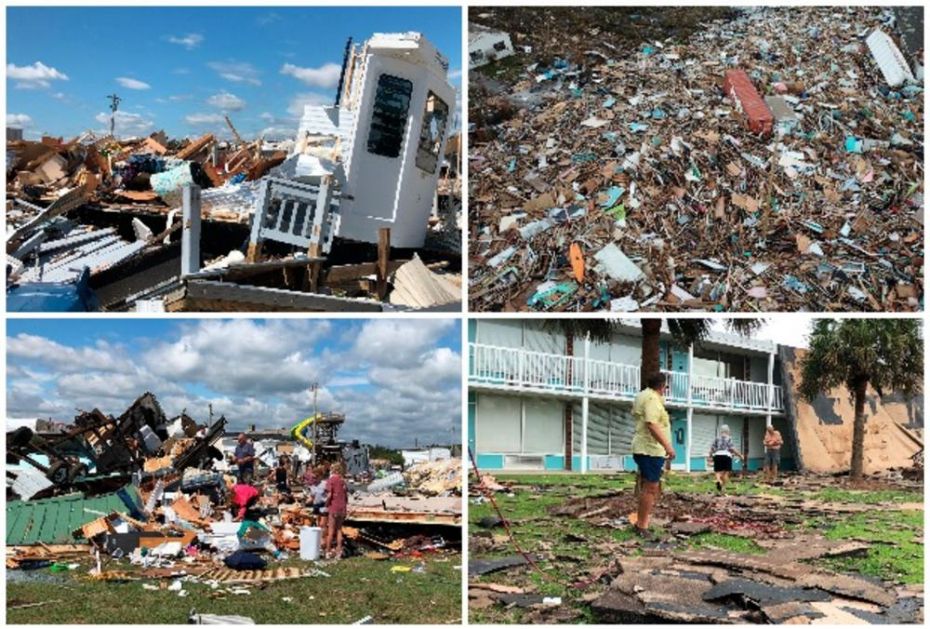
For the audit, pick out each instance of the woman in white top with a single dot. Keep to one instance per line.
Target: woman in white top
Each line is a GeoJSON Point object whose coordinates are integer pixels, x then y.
{"type": "Point", "coordinates": [722, 453]}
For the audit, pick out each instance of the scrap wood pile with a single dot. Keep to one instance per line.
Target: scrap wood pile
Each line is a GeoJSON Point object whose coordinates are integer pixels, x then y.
{"type": "Point", "coordinates": [770, 161]}
{"type": "Point", "coordinates": [50, 240]}
{"type": "Point", "coordinates": [436, 478]}
{"type": "Point", "coordinates": [50, 178]}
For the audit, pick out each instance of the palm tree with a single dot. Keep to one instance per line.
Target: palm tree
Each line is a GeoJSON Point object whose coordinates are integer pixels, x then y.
{"type": "Point", "coordinates": [884, 353]}
{"type": "Point", "coordinates": [684, 332]}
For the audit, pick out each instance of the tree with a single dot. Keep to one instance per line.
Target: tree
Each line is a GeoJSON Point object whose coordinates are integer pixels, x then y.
{"type": "Point", "coordinates": [684, 332]}
{"type": "Point", "coordinates": [884, 353]}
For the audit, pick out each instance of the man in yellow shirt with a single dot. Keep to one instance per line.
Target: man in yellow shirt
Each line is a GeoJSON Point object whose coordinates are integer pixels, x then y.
{"type": "Point", "coordinates": [652, 445]}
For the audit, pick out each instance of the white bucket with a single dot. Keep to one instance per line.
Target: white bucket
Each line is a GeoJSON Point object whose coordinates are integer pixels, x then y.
{"type": "Point", "coordinates": [310, 543]}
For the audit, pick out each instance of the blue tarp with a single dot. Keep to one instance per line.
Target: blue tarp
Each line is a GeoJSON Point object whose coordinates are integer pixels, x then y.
{"type": "Point", "coordinates": [52, 297]}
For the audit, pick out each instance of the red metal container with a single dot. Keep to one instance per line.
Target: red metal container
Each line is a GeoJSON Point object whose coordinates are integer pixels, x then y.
{"type": "Point", "coordinates": [736, 85]}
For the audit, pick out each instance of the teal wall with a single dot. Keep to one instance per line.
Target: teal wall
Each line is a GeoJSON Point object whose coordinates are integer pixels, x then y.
{"type": "Point", "coordinates": [490, 461]}
{"type": "Point", "coordinates": [554, 462]}
{"type": "Point", "coordinates": [699, 464]}
{"type": "Point", "coordinates": [576, 463]}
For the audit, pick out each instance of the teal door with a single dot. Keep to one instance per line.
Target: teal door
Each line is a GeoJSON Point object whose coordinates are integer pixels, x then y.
{"type": "Point", "coordinates": [679, 438]}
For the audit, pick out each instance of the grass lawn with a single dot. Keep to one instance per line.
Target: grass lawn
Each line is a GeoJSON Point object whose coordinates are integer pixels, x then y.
{"type": "Point", "coordinates": [573, 545]}
{"type": "Point", "coordinates": [358, 587]}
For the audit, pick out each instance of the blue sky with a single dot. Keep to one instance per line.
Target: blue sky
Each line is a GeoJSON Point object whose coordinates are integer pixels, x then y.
{"type": "Point", "coordinates": [180, 69]}
{"type": "Point", "coordinates": [394, 379]}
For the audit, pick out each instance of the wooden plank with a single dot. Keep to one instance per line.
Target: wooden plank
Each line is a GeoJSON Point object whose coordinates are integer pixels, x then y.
{"type": "Point", "coordinates": [384, 255]}
{"type": "Point", "coordinates": [346, 272]}
{"type": "Point", "coordinates": [275, 297]}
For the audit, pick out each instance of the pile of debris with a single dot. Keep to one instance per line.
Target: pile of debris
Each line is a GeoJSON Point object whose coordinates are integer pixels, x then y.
{"type": "Point", "coordinates": [151, 492]}
{"type": "Point", "coordinates": [768, 160]}
{"type": "Point", "coordinates": [672, 579]}
{"type": "Point", "coordinates": [158, 224]}
{"type": "Point", "coordinates": [715, 586]}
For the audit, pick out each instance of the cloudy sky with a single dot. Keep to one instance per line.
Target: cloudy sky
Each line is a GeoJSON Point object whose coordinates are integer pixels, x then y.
{"type": "Point", "coordinates": [181, 69]}
{"type": "Point", "coordinates": [395, 379]}
{"type": "Point", "coordinates": [791, 329]}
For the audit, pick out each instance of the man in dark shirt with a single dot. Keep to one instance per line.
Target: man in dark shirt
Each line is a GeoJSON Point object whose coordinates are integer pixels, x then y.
{"type": "Point", "coordinates": [245, 458]}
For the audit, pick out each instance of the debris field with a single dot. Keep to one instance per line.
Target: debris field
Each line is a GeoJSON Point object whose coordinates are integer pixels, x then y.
{"type": "Point", "coordinates": [142, 498]}
{"type": "Point", "coordinates": [760, 160]}
{"type": "Point", "coordinates": [154, 224]}
{"type": "Point", "coordinates": [577, 542]}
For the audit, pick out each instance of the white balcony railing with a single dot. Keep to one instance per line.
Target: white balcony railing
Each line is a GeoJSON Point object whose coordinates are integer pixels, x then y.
{"type": "Point", "coordinates": [557, 373]}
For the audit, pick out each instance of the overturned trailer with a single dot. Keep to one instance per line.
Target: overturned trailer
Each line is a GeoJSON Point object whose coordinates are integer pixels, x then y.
{"type": "Point", "coordinates": [216, 227]}
{"type": "Point", "coordinates": [101, 451]}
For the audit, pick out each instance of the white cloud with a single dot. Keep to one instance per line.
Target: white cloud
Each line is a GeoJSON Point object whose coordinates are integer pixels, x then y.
{"type": "Point", "coordinates": [455, 74]}
{"type": "Point", "coordinates": [189, 41]}
{"type": "Point", "coordinates": [326, 76]}
{"type": "Point", "coordinates": [278, 133]}
{"type": "Point", "coordinates": [226, 101]}
{"type": "Point", "coordinates": [132, 84]}
{"type": "Point", "coordinates": [18, 120]}
{"type": "Point", "coordinates": [296, 106]}
{"type": "Point", "coordinates": [398, 342]}
{"type": "Point", "coordinates": [242, 356]}
{"type": "Point", "coordinates": [35, 76]}
{"type": "Point", "coordinates": [103, 356]}
{"type": "Point", "coordinates": [267, 116]}
{"type": "Point", "coordinates": [254, 372]}
{"type": "Point", "coordinates": [235, 71]}
{"type": "Point", "coordinates": [127, 123]}
{"type": "Point", "coordinates": [197, 120]}
{"type": "Point", "coordinates": [174, 98]}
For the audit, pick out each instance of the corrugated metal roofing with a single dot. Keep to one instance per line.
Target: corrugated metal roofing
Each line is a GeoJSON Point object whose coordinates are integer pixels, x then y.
{"type": "Point", "coordinates": [889, 59]}
{"type": "Point", "coordinates": [52, 520]}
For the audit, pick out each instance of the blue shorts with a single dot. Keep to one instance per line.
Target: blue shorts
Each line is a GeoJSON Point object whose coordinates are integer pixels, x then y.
{"type": "Point", "coordinates": [651, 467]}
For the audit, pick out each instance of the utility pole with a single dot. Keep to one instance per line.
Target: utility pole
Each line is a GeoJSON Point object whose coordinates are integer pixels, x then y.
{"type": "Point", "coordinates": [114, 105]}
{"type": "Point", "coordinates": [314, 387]}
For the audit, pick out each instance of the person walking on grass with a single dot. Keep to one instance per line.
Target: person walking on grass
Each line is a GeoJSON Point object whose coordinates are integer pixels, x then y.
{"type": "Point", "coordinates": [722, 453]}
{"type": "Point", "coordinates": [772, 443]}
{"type": "Point", "coordinates": [337, 502]}
{"type": "Point", "coordinates": [652, 446]}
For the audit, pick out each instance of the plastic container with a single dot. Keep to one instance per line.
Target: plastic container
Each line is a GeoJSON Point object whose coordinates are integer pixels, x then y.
{"type": "Point", "coordinates": [310, 543]}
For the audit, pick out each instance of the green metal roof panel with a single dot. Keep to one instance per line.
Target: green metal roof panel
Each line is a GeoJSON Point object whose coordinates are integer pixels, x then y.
{"type": "Point", "coordinates": [52, 520]}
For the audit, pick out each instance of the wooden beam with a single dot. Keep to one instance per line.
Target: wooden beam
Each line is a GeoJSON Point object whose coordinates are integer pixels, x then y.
{"type": "Point", "coordinates": [384, 256]}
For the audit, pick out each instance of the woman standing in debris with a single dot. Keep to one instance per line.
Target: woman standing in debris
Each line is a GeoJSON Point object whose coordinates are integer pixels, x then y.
{"type": "Point", "coordinates": [722, 453]}
{"type": "Point", "coordinates": [652, 447]}
{"type": "Point", "coordinates": [337, 502]}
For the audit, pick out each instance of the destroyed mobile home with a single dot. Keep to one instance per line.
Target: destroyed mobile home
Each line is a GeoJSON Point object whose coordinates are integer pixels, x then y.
{"type": "Point", "coordinates": [358, 213]}
{"type": "Point", "coordinates": [142, 497]}
{"type": "Point", "coordinates": [753, 160]}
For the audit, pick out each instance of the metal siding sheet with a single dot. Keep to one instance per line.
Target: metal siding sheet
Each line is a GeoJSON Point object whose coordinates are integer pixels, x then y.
{"type": "Point", "coordinates": [52, 520]}
{"type": "Point", "coordinates": [889, 59]}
